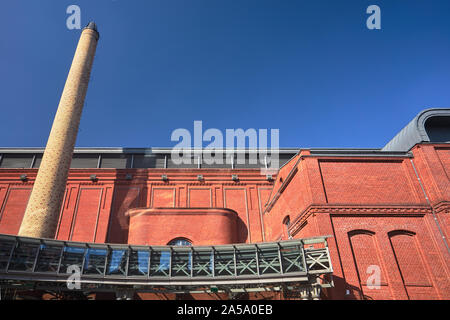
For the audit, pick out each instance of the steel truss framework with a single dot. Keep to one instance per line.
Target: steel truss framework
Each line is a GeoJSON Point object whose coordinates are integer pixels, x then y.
{"type": "Point", "coordinates": [271, 266]}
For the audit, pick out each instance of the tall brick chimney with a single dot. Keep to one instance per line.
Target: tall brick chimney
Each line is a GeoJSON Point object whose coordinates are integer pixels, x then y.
{"type": "Point", "coordinates": [43, 208]}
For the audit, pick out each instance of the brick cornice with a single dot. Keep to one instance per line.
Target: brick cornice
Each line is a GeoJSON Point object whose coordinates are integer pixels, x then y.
{"type": "Point", "coordinates": [443, 206]}
{"type": "Point", "coordinates": [380, 210]}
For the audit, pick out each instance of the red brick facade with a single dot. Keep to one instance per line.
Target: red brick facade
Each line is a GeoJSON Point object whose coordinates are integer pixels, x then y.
{"type": "Point", "coordinates": [388, 211]}
{"type": "Point", "coordinates": [97, 211]}
{"type": "Point", "coordinates": [379, 211]}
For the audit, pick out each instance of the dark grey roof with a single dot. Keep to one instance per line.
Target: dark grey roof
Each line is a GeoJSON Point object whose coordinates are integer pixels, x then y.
{"type": "Point", "coordinates": [357, 153]}
{"type": "Point", "coordinates": [430, 125]}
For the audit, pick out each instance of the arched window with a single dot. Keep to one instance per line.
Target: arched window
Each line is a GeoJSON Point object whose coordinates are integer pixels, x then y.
{"type": "Point", "coordinates": [181, 260]}
{"type": "Point", "coordinates": [179, 242]}
{"type": "Point", "coordinates": [407, 252]}
{"type": "Point", "coordinates": [287, 223]}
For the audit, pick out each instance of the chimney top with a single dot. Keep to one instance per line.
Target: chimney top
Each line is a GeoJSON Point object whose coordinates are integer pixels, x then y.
{"type": "Point", "coordinates": [91, 25]}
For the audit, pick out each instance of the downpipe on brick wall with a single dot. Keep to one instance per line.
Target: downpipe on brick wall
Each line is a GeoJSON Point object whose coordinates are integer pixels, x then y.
{"type": "Point", "coordinates": [429, 203]}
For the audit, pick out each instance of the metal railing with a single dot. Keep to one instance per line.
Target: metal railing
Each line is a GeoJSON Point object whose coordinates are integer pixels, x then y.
{"type": "Point", "coordinates": [23, 258]}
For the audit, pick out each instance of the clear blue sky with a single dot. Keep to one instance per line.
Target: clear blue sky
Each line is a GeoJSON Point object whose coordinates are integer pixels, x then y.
{"type": "Point", "coordinates": [311, 68]}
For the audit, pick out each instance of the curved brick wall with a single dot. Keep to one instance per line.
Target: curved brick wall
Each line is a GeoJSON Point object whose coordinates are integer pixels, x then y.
{"type": "Point", "coordinates": [202, 226]}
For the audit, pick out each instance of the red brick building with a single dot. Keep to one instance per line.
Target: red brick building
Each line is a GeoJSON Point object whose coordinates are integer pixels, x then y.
{"type": "Point", "coordinates": [384, 207]}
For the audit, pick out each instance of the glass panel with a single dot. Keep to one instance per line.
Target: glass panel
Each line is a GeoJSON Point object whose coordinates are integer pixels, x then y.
{"type": "Point", "coordinates": [188, 162]}
{"type": "Point", "coordinates": [246, 262]}
{"type": "Point", "coordinates": [292, 258]}
{"type": "Point", "coordinates": [249, 161]}
{"type": "Point", "coordinates": [215, 160]}
{"type": "Point", "coordinates": [144, 161]}
{"type": "Point", "coordinates": [203, 263]}
{"type": "Point", "coordinates": [224, 263]}
{"type": "Point", "coordinates": [72, 256]}
{"type": "Point", "coordinates": [269, 261]}
{"type": "Point", "coordinates": [282, 158]}
{"type": "Point", "coordinates": [37, 161]}
{"type": "Point", "coordinates": [23, 257]}
{"type": "Point", "coordinates": [118, 161]}
{"type": "Point", "coordinates": [117, 262]}
{"type": "Point", "coordinates": [48, 259]}
{"type": "Point", "coordinates": [138, 264]}
{"type": "Point", "coordinates": [180, 242]}
{"type": "Point", "coordinates": [5, 251]}
{"type": "Point", "coordinates": [181, 263]}
{"type": "Point", "coordinates": [95, 260]}
{"type": "Point", "coordinates": [16, 160]}
{"type": "Point", "coordinates": [159, 265]}
{"type": "Point", "coordinates": [160, 161]}
{"type": "Point", "coordinates": [84, 160]}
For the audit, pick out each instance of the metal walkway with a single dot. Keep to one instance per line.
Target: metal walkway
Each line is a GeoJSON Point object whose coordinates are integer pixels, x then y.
{"type": "Point", "coordinates": [262, 265]}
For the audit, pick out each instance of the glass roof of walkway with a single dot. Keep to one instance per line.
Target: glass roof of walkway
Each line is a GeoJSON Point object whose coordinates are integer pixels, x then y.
{"type": "Point", "coordinates": [260, 265]}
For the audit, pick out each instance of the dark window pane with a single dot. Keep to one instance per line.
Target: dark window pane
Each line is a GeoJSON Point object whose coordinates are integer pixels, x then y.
{"type": "Point", "coordinates": [117, 262]}
{"type": "Point", "coordinates": [160, 161]}
{"type": "Point", "coordinates": [203, 263]}
{"type": "Point", "coordinates": [23, 257]}
{"type": "Point", "coordinates": [48, 259]}
{"type": "Point", "coordinates": [188, 162]}
{"type": "Point", "coordinates": [282, 158]}
{"type": "Point", "coordinates": [72, 256]}
{"type": "Point", "coordinates": [224, 263]}
{"type": "Point", "coordinates": [181, 263]}
{"type": "Point", "coordinates": [247, 161]}
{"type": "Point", "coordinates": [37, 161]}
{"type": "Point", "coordinates": [118, 161]}
{"type": "Point", "coordinates": [16, 160]}
{"type": "Point", "coordinates": [246, 262]}
{"type": "Point", "coordinates": [292, 258]}
{"type": "Point", "coordinates": [438, 129]}
{"type": "Point", "coordinates": [144, 161]}
{"type": "Point", "coordinates": [269, 261]}
{"type": "Point", "coordinates": [84, 161]}
{"type": "Point", "coordinates": [216, 160]}
{"type": "Point", "coordinates": [160, 263]}
{"type": "Point", "coordinates": [94, 261]}
{"type": "Point", "coordinates": [5, 251]}
{"type": "Point", "coordinates": [180, 242]}
{"type": "Point", "coordinates": [138, 264]}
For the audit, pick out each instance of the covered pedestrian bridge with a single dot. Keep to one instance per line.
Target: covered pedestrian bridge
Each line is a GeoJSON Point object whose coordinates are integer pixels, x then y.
{"type": "Point", "coordinates": [301, 265]}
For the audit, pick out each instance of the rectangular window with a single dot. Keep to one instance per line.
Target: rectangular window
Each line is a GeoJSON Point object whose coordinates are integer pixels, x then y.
{"type": "Point", "coordinates": [81, 160]}
{"type": "Point", "coordinates": [21, 160]}
{"type": "Point", "coordinates": [144, 161]}
{"type": "Point", "coordinates": [117, 161]}
{"type": "Point", "coordinates": [37, 160]}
